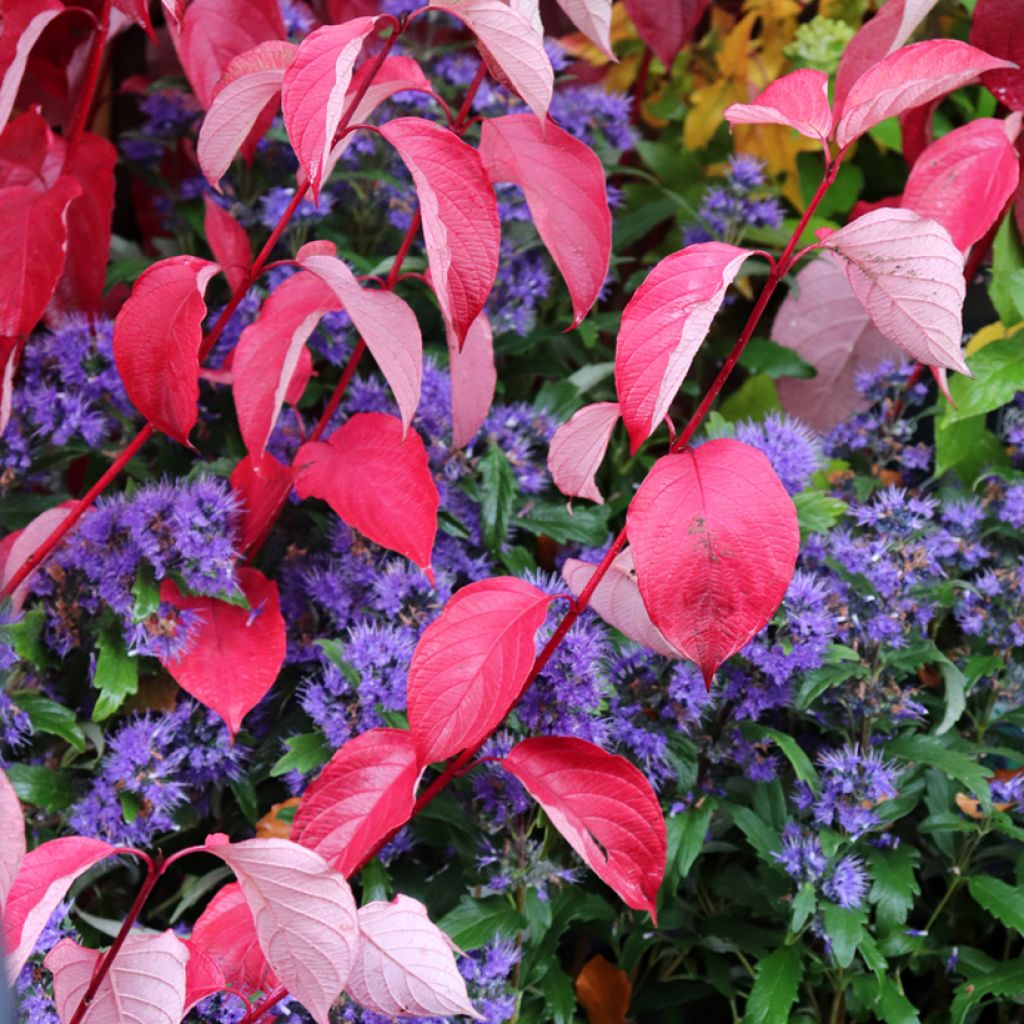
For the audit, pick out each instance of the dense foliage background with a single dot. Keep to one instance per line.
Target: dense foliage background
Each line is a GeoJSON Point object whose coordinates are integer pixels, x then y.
{"type": "Point", "coordinates": [843, 806]}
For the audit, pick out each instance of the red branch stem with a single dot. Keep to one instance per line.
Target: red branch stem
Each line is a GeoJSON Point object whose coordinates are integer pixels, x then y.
{"type": "Point", "coordinates": [92, 77]}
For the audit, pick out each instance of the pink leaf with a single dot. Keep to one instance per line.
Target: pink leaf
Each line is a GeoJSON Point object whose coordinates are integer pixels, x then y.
{"type": "Point", "coordinates": [908, 78]}
{"type": "Point", "coordinates": [964, 180]}
{"type": "Point", "coordinates": [203, 976]}
{"type": "Point", "coordinates": [235, 654]}
{"type": "Point", "coordinates": [314, 95]}
{"type": "Point", "coordinates": [262, 485]}
{"type": "Point", "coordinates": [594, 19]}
{"type": "Point", "coordinates": [471, 663]}
{"type": "Point", "coordinates": [229, 242]}
{"type": "Point", "coordinates": [666, 26]}
{"type": "Point", "coordinates": [799, 99]}
{"type": "Point", "coordinates": [175, 11]}
{"type": "Point", "coordinates": [157, 336]}
{"type": "Point", "coordinates": [826, 325]}
{"type": "Point", "coordinates": [387, 325]}
{"type": "Point", "coordinates": [916, 129]}
{"type": "Point", "coordinates": [250, 83]}
{"type": "Point", "coordinates": [405, 966]}
{"type": "Point", "coordinates": [617, 600]}
{"type": "Point", "coordinates": [46, 875]}
{"type": "Point", "coordinates": [996, 28]}
{"type": "Point", "coordinates": [214, 32]}
{"type": "Point", "coordinates": [268, 353]}
{"type": "Point", "coordinates": [578, 449]}
{"type": "Point", "coordinates": [715, 539]}
{"type": "Point", "coordinates": [473, 379]}
{"type": "Point", "coordinates": [23, 24]}
{"type": "Point", "coordinates": [9, 354]}
{"type": "Point", "coordinates": [910, 278]}
{"type": "Point", "coordinates": [304, 914]}
{"type": "Point", "coordinates": [662, 327]}
{"type": "Point", "coordinates": [35, 247]}
{"type": "Point", "coordinates": [145, 984]}
{"type": "Point", "coordinates": [12, 838]}
{"type": "Point", "coordinates": [564, 184]}
{"type": "Point", "coordinates": [513, 48]}
{"type": "Point", "coordinates": [226, 933]}
{"type": "Point", "coordinates": [16, 547]}
{"type": "Point", "coordinates": [366, 790]}
{"type": "Point", "coordinates": [460, 215]}
{"type": "Point", "coordinates": [603, 807]}
{"type": "Point", "coordinates": [376, 481]}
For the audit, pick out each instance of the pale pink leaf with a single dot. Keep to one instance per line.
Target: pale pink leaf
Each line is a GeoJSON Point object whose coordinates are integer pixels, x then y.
{"type": "Point", "coordinates": [594, 19]}
{"type": "Point", "coordinates": [578, 448]}
{"type": "Point", "coordinates": [304, 914]}
{"type": "Point", "coordinates": [12, 838]}
{"type": "Point", "coordinates": [23, 24]}
{"type": "Point", "coordinates": [386, 324]}
{"type": "Point", "coordinates": [229, 242]}
{"type": "Point", "coordinates": [44, 879]}
{"type": "Point", "coordinates": [617, 600]}
{"type": "Point", "coordinates": [603, 807]}
{"type": "Point", "coordinates": [471, 663]}
{"type": "Point", "coordinates": [827, 326]}
{"type": "Point", "coordinates": [799, 99]}
{"type": "Point", "coordinates": [460, 215]}
{"type": "Point", "coordinates": [474, 377]}
{"type": "Point", "coordinates": [314, 93]}
{"type": "Point", "coordinates": [9, 353]}
{"type": "Point", "coordinates": [16, 547]}
{"type": "Point", "coordinates": [175, 11]}
{"type": "Point", "coordinates": [964, 180]}
{"type": "Point", "coordinates": [910, 278]}
{"type": "Point", "coordinates": [404, 966]}
{"type": "Point", "coordinates": [250, 82]}
{"type": "Point", "coordinates": [145, 983]}
{"type": "Point", "coordinates": [564, 184]}
{"type": "Point", "coordinates": [366, 790]}
{"type": "Point", "coordinates": [507, 37]}
{"type": "Point", "coordinates": [663, 326]}
{"type": "Point", "coordinates": [908, 78]}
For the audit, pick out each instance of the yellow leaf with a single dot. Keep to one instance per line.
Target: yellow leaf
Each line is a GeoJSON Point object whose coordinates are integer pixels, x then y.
{"type": "Point", "coordinates": [990, 333]}
{"type": "Point", "coordinates": [705, 113]}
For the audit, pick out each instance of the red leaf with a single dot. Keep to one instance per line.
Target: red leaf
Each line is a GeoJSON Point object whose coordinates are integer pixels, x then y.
{"type": "Point", "coordinates": [910, 278]}
{"type": "Point", "coordinates": [366, 790]}
{"type": "Point", "coordinates": [564, 184]}
{"type": "Point", "coordinates": [304, 914]}
{"type": "Point", "coordinates": [996, 28]}
{"type": "Point", "coordinates": [799, 99]}
{"type": "Point", "coordinates": [387, 325]}
{"type": "Point", "coordinates": [376, 481]}
{"type": "Point", "coordinates": [578, 449]}
{"type": "Point", "coordinates": [16, 547]}
{"type": "Point", "coordinates": [226, 932]}
{"type": "Point", "coordinates": [268, 353]}
{"type": "Point", "coordinates": [9, 355]}
{"type": "Point", "coordinates": [512, 47]}
{"type": "Point", "coordinates": [964, 180]}
{"type": "Point", "coordinates": [214, 32]}
{"type": "Point", "coordinates": [12, 838]}
{"type": "Point", "coordinates": [315, 91]}
{"type": "Point", "coordinates": [262, 486]}
{"type": "Point", "coordinates": [594, 19]}
{"type": "Point", "coordinates": [138, 12]}
{"type": "Point", "coordinates": [203, 976]}
{"type": "Point", "coordinates": [603, 807]}
{"type": "Point", "coordinates": [250, 85]}
{"type": "Point", "coordinates": [666, 26]}
{"type": "Point", "coordinates": [24, 21]}
{"type": "Point", "coordinates": [825, 324]}
{"type": "Point", "coordinates": [405, 965]}
{"type": "Point", "coordinates": [473, 379]}
{"type": "Point", "coordinates": [715, 539]}
{"type": "Point", "coordinates": [471, 663]}
{"type": "Point", "coordinates": [30, 154]}
{"type": "Point", "coordinates": [145, 983]}
{"type": "Point", "coordinates": [662, 327]}
{"type": "Point", "coordinates": [236, 653]}
{"type": "Point", "coordinates": [460, 215]}
{"type": "Point", "coordinates": [157, 336]}
{"type": "Point", "coordinates": [34, 251]}
{"type": "Point", "coordinates": [229, 242]}
{"type": "Point", "coordinates": [908, 78]}
{"type": "Point", "coordinates": [916, 130]}
{"type": "Point", "coordinates": [46, 875]}
{"type": "Point", "coordinates": [617, 600]}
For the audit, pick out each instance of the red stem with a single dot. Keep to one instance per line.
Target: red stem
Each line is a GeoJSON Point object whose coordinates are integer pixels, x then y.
{"type": "Point", "coordinates": [92, 77]}
{"type": "Point", "coordinates": [265, 1005]}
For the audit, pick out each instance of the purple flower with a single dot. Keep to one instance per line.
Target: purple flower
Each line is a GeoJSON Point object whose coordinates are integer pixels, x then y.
{"type": "Point", "coordinates": [854, 782]}
{"type": "Point", "coordinates": [793, 449]}
{"type": "Point", "coordinates": [847, 885]}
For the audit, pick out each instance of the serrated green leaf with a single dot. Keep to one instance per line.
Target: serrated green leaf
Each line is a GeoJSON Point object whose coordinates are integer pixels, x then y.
{"type": "Point", "coordinates": [894, 885]}
{"type": "Point", "coordinates": [499, 493]}
{"type": "Point", "coordinates": [26, 637]}
{"type": "Point", "coordinates": [844, 927]}
{"type": "Point", "coordinates": [1005, 980]}
{"type": "Point", "coordinates": [760, 835]}
{"type": "Point", "coordinates": [998, 371]}
{"type": "Point", "coordinates": [753, 399]}
{"type": "Point", "coordinates": [587, 525]}
{"type": "Point", "coordinates": [933, 751]}
{"type": "Point", "coordinates": [817, 512]}
{"type": "Point", "coordinates": [556, 987]}
{"type": "Point", "coordinates": [892, 1006]}
{"type": "Point", "coordinates": [1004, 902]}
{"type": "Point", "coordinates": [116, 676]}
{"type": "Point", "coordinates": [474, 923]}
{"type": "Point", "coordinates": [305, 752]}
{"type": "Point", "coordinates": [688, 830]}
{"type": "Point", "coordinates": [799, 761]}
{"type": "Point", "coordinates": [146, 592]}
{"type": "Point", "coordinates": [50, 717]}
{"type": "Point", "coordinates": [776, 982]}
{"type": "Point", "coordinates": [804, 904]}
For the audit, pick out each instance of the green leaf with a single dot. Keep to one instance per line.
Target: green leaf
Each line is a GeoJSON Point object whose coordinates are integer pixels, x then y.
{"type": "Point", "coordinates": [818, 512]}
{"type": "Point", "coordinates": [556, 986]}
{"type": "Point", "coordinates": [933, 751]}
{"type": "Point", "coordinates": [116, 676]}
{"type": "Point", "coordinates": [1005, 288]}
{"type": "Point", "coordinates": [892, 1006]}
{"type": "Point", "coordinates": [499, 492]}
{"type": "Point", "coordinates": [26, 637]}
{"type": "Point", "coordinates": [818, 680]}
{"type": "Point", "coordinates": [305, 752]}
{"type": "Point", "coordinates": [1005, 980]}
{"type": "Point", "coordinates": [968, 447]}
{"type": "Point", "coordinates": [752, 400]}
{"type": "Point", "coordinates": [248, 803]}
{"type": "Point", "coordinates": [804, 904]}
{"type": "Point", "coordinates": [40, 786]}
{"type": "Point", "coordinates": [50, 717]}
{"type": "Point", "coordinates": [845, 928]}
{"type": "Point", "coordinates": [775, 360]}
{"type": "Point", "coordinates": [686, 834]}
{"type": "Point", "coordinates": [761, 836]}
{"type": "Point", "coordinates": [775, 988]}
{"type": "Point", "coordinates": [473, 923]}
{"type": "Point", "coordinates": [998, 375]}
{"type": "Point", "coordinates": [1004, 902]}
{"type": "Point", "coordinates": [955, 693]}
{"type": "Point", "coordinates": [893, 883]}
{"type": "Point", "coordinates": [800, 762]}
{"type": "Point", "coordinates": [146, 592]}
{"type": "Point", "coordinates": [375, 881]}
{"type": "Point", "coordinates": [587, 525]}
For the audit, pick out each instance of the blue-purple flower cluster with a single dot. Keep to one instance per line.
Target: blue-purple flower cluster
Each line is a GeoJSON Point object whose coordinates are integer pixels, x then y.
{"type": "Point", "coordinates": [739, 205]}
